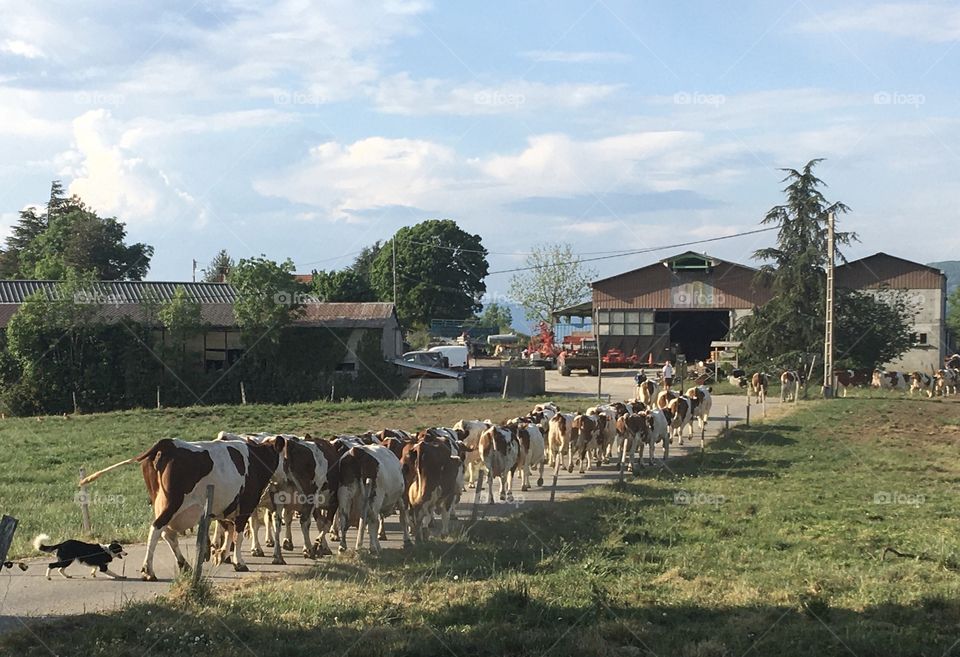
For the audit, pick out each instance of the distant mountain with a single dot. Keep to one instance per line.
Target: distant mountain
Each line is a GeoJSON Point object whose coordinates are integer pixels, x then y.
{"type": "Point", "coordinates": [952, 269]}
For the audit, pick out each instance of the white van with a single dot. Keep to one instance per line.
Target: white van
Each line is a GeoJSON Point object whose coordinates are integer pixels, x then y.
{"type": "Point", "coordinates": [456, 355]}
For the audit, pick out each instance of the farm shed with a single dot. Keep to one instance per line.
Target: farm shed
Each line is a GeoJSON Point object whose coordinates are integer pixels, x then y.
{"type": "Point", "coordinates": [220, 343]}
{"type": "Point", "coordinates": [678, 305]}
{"type": "Point", "coordinates": [924, 289]}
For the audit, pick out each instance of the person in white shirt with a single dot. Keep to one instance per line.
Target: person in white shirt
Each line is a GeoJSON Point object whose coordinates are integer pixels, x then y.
{"type": "Point", "coordinates": [667, 375]}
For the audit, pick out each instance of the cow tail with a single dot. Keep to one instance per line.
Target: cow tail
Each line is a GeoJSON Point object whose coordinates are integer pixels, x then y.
{"type": "Point", "coordinates": [150, 454]}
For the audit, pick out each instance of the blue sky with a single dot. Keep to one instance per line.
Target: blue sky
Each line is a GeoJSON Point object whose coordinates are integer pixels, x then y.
{"type": "Point", "coordinates": [309, 131]}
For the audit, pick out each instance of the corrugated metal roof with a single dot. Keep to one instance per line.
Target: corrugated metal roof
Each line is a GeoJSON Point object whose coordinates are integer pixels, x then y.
{"type": "Point", "coordinates": [884, 270]}
{"type": "Point", "coordinates": [120, 292]}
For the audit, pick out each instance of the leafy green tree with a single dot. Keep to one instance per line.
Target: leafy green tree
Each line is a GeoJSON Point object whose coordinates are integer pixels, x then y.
{"type": "Point", "coordinates": [344, 285]}
{"type": "Point", "coordinates": [872, 329]}
{"type": "Point", "coordinates": [68, 235]}
{"type": "Point", "coordinates": [555, 278]}
{"type": "Point", "coordinates": [495, 315]}
{"type": "Point", "coordinates": [268, 299]}
{"type": "Point", "coordinates": [182, 319]}
{"type": "Point", "coordinates": [791, 324]}
{"type": "Point", "coordinates": [219, 268]}
{"type": "Point", "coordinates": [953, 313]}
{"type": "Point", "coordinates": [440, 271]}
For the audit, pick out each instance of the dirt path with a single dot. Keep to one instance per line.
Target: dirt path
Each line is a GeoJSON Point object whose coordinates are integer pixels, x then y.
{"type": "Point", "coordinates": [27, 594]}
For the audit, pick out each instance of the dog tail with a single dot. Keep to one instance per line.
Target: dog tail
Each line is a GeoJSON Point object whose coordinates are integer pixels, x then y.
{"type": "Point", "coordinates": [38, 544]}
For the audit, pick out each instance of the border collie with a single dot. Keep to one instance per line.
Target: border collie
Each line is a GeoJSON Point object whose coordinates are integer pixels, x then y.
{"type": "Point", "coordinates": [92, 554]}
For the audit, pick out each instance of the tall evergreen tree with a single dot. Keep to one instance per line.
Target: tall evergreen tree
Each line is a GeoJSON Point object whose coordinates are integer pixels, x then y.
{"type": "Point", "coordinates": [219, 268]}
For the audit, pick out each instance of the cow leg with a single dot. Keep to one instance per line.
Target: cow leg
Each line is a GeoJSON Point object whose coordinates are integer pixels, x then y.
{"type": "Point", "coordinates": [570, 457]}
{"type": "Point", "coordinates": [146, 571]}
{"type": "Point", "coordinates": [240, 524]}
{"type": "Point", "coordinates": [540, 477]}
{"type": "Point", "coordinates": [525, 476]}
{"type": "Point", "coordinates": [267, 522]}
{"type": "Point", "coordinates": [255, 521]}
{"type": "Point", "coordinates": [490, 479]}
{"type": "Point", "coordinates": [219, 536]}
{"type": "Point", "coordinates": [305, 518]}
{"type": "Point", "coordinates": [170, 537]}
{"type": "Point", "coordinates": [277, 552]}
{"type": "Point", "coordinates": [287, 515]}
{"type": "Point", "coordinates": [344, 521]}
{"type": "Point", "coordinates": [372, 522]}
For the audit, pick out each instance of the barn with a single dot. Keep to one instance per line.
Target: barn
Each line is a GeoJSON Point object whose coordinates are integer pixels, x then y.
{"type": "Point", "coordinates": [676, 306]}
{"type": "Point", "coordinates": [679, 305]}
{"type": "Point", "coordinates": [924, 289]}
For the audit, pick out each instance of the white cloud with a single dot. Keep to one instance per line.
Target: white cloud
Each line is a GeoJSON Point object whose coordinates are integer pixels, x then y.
{"type": "Point", "coordinates": [113, 179]}
{"type": "Point", "coordinates": [575, 57]}
{"type": "Point", "coordinates": [921, 21]}
{"type": "Point", "coordinates": [21, 48]}
{"type": "Point", "coordinates": [400, 94]}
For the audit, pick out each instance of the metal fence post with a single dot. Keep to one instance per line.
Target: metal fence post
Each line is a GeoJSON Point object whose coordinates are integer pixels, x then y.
{"type": "Point", "coordinates": [203, 536]}
{"type": "Point", "coordinates": [8, 525]}
{"type": "Point", "coordinates": [84, 504]}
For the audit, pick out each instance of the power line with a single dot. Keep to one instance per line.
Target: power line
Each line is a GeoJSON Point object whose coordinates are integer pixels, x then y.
{"type": "Point", "coordinates": [634, 252]}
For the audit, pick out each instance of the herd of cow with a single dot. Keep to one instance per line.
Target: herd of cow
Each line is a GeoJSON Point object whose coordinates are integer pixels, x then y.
{"type": "Point", "coordinates": [358, 481]}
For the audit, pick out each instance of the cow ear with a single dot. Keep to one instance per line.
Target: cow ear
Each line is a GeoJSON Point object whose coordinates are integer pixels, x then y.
{"type": "Point", "coordinates": [280, 443]}
{"type": "Point", "coordinates": [307, 436]}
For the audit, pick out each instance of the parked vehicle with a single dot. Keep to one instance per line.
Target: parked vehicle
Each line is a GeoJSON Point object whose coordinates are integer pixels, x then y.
{"type": "Point", "coordinates": [456, 355]}
{"type": "Point", "coordinates": [426, 358]}
{"type": "Point", "coordinates": [581, 357]}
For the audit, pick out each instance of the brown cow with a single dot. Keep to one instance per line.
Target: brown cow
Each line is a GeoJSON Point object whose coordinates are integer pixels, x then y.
{"type": "Point", "coordinates": [433, 480]}
{"type": "Point", "coordinates": [759, 383]}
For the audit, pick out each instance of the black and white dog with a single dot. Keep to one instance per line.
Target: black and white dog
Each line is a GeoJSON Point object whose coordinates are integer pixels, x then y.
{"type": "Point", "coordinates": [92, 554]}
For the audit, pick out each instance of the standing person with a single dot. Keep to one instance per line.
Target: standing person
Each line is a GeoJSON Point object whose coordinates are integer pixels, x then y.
{"type": "Point", "coordinates": [667, 375]}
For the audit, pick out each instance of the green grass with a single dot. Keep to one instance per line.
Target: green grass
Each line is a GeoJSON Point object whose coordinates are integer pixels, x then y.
{"type": "Point", "coordinates": [41, 458]}
{"type": "Point", "coordinates": [778, 553]}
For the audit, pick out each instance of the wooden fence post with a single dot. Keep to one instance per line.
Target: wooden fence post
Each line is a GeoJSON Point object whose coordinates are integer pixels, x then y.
{"type": "Point", "coordinates": [506, 382]}
{"type": "Point", "coordinates": [419, 387]}
{"type": "Point", "coordinates": [84, 505]}
{"type": "Point", "coordinates": [203, 536]}
{"type": "Point", "coordinates": [748, 409]}
{"type": "Point", "coordinates": [243, 394]}
{"type": "Point", "coordinates": [8, 525]}
{"type": "Point", "coordinates": [476, 495]}
{"type": "Point", "coordinates": [158, 397]}
{"type": "Point", "coordinates": [726, 418]}
{"type": "Point", "coordinates": [76, 409]}
{"type": "Point", "coordinates": [556, 475]}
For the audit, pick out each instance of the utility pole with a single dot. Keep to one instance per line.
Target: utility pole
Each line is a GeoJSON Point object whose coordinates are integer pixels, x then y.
{"type": "Point", "coordinates": [393, 243]}
{"type": "Point", "coordinates": [194, 274]}
{"type": "Point", "coordinates": [828, 324]}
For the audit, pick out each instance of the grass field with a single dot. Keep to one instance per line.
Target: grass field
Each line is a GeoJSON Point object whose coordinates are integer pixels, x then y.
{"type": "Point", "coordinates": [769, 543]}
{"type": "Point", "coordinates": [40, 462]}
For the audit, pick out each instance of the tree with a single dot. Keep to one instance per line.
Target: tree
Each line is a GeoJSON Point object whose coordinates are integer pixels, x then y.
{"type": "Point", "coordinates": [495, 315]}
{"type": "Point", "coordinates": [70, 236]}
{"type": "Point", "coordinates": [345, 285]}
{"type": "Point", "coordinates": [268, 299]}
{"type": "Point", "coordinates": [440, 271]}
{"type": "Point", "coordinates": [182, 318]}
{"type": "Point", "coordinates": [790, 325]}
{"type": "Point", "coordinates": [219, 268]}
{"type": "Point", "coordinates": [555, 279]}
{"type": "Point", "coordinates": [872, 329]}
{"type": "Point", "coordinates": [953, 313]}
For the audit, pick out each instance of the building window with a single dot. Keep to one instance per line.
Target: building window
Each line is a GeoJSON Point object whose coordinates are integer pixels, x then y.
{"type": "Point", "coordinates": [627, 323]}
{"type": "Point", "coordinates": [922, 338]}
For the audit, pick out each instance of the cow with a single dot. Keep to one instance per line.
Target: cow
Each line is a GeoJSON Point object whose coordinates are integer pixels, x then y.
{"type": "Point", "coordinates": [759, 384]}
{"type": "Point", "coordinates": [952, 362]}
{"type": "Point", "coordinates": [922, 383]}
{"type": "Point", "coordinates": [433, 480]}
{"type": "Point", "coordinates": [177, 473]}
{"type": "Point", "coordinates": [633, 431]}
{"type": "Point", "coordinates": [789, 386]}
{"type": "Point", "coordinates": [559, 439]}
{"type": "Point", "coordinates": [499, 450]}
{"type": "Point", "coordinates": [369, 484]}
{"type": "Point", "coordinates": [889, 380]}
{"type": "Point", "coordinates": [738, 377]}
{"type": "Point", "coordinates": [469, 432]}
{"type": "Point", "coordinates": [659, 421]}
{"type": "Point", "coordinates": [848, 378]}
{"type": "Point", "coordinates": [635, 406]}
{"type": "Point", "coordinates": [532, 452]}
{"type": "Point", "coordinates": [647, 392]}
{"type": "Point", "coordinates": [700, 404]}
{"type": "Point", "coordinates": [587, 438]}
{"type": "Point", "coordinates": [681, 410]}
{"type": "Point", "coordinates": [947, 381]}
{"type": "Point", "coordinates": [665, 397]}
{"type": "Point", "coordinates": [608, 437]}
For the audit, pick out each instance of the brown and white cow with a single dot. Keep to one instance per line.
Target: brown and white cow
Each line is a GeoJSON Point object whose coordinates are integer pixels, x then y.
{"type": "Point", "coordinates": [889, 380]}
{"type": "Point", "coordinates": [433, 480]}
{"type": "Point", "coordinates": [177, 473]}
{"type": "Point", "coordinates": [559, 439]}
{"type": "Point", "coordinates": [665, 397]}
{"type": "Point", "coordinates": [947, 381]}
{"type": "Point", "coordinates": [647, 392]}
{"type": "Point", "coordinates": [849, 378]}
{"type": "Point", "coordinates": [952, 362]}
{"type": "Point", "coordinates": [636, 406]}
{"type": "Point", "coordinates": [368, 485]}
{"type": "Point", "coordinates": [469, 432]}
{"type": "Point", "coordinates": [587, 436]}
{"type": "Point", "coordinates": [659, 421]}
{"type": "Point", "coordinates": [759, 384]}
{"type": "Point", "coordinates": [633, 432]}
{"type": "Point", "coordinates": [922, 383]}
{"type": "Point", "coordinates": [681, 412]}
{"type": "Point", "coordinates": [701, 402]}
{"type": "Point", "coordinates": [499, 450]}
{"type": "Point", "coordinates": [789, 386]}
{"type": "Point", "coordinates": [532, 453]}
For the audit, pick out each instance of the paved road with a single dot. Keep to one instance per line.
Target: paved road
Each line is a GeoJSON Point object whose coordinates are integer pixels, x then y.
{"type": "Point", "coordinates": [28, 595]}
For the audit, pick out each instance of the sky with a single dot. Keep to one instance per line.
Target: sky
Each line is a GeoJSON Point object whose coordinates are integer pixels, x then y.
{"type": "Point", "coordinates": [308, 130]}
